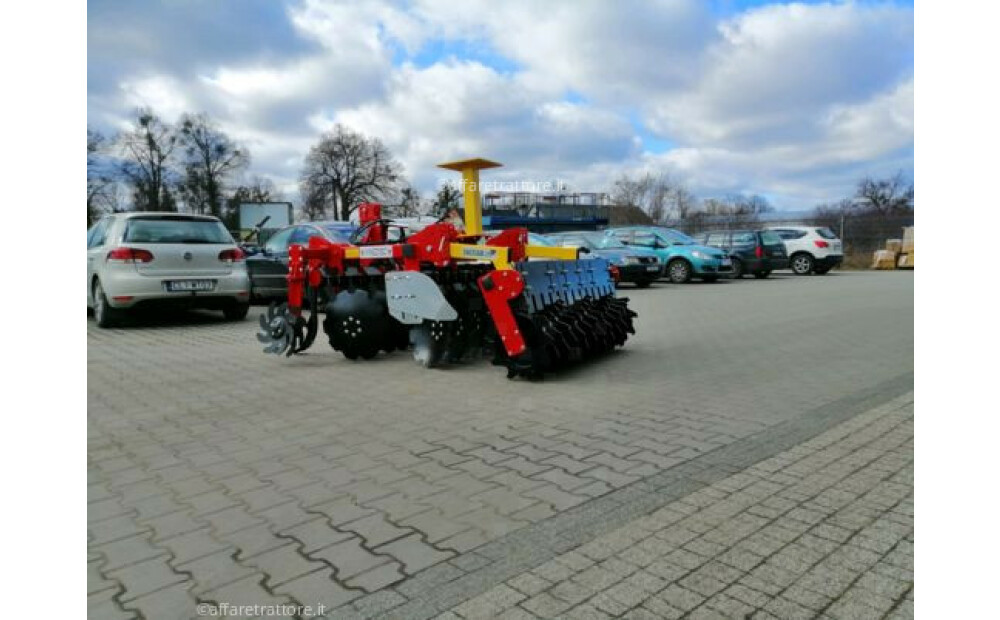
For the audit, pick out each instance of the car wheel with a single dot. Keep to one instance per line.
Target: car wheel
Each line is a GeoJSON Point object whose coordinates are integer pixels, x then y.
{"type": "Point", "coordinates": [802, 264]}
{"type": "Point", "coordinates": [679, 271]}
{"type": "Point", "coordinates": [643, 283]}
{"type": "Point", "coordinates": [821, 270]}
{"type": "Point", "coordinates": [236, 311]}
{"type": "Point", "coordinates": [104, 314]}
{"type": "Point", "coordinates": [737, 269]}
{"type": "Point", "coordinates": [760, 275]}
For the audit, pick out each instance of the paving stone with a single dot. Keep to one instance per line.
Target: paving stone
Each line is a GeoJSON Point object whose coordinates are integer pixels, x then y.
{"type": "Point", "coordinates": [246, 592]}
{"type": "Point", "coordinates": [127, 551]}
{"type": "Point", "coordinates": [378, 603]}
{"type": "Point", "coordinates": [317, 588]}
{"type": "Point", "coordinates": [145, 577]}
{"type": "Point", "coordinates": [413, 553]}
{"type": "Point", "coordinates": [490, 604]}
{"type": "Point", "coordinates": [215, 570]}
{"type": "Point", "coordinates": [170, 603]}
{"type": "Point", "coordinates": [435, 526]}
{"type": "Point", "coordinates": [545, 605]}
{"type": "Point", "coordinates": [102, 605]}
{"type": "Point", "coordinates": [529, 584]}
{"type": "Point", "coordinates": [282, 564]}
{"type": "Point", "coordinates": [192, 545]}
{"type": "Point", "coordinates": [377, 578]}
{"type": "Point", "coordinates": [375, 530]}
{"type": "Point", "coordinates": [349, 558]}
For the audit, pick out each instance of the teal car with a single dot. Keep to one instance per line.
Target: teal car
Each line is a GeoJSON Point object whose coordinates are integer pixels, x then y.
{"type": "Point", "coordinates": [684, 258]}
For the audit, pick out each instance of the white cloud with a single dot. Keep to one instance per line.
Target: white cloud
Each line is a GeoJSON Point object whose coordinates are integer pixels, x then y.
{"type": "Point", "coordinates": [793, 101]}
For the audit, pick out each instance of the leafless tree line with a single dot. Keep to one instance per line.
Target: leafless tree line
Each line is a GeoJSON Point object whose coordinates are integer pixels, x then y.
{"type": "Point", "coordinates": [156, 166]}
{"type": "Point", "coordinates": [669, 201]}
{"type": "Point", "coordinates": [878, 210]}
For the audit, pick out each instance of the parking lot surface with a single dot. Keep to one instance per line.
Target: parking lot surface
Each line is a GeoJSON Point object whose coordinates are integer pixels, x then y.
{"type": "Point", "coordinates": [218, 475]}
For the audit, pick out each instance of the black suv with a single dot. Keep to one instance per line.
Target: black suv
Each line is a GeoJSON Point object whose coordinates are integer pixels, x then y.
{"type": "Point", "coordinates": [753, 251]}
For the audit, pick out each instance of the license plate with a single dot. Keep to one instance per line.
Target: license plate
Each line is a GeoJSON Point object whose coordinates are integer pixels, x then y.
{"type": "Point", "coordinates": [177, 286]}
{"type": "Point", "coordinates": [652, 268]}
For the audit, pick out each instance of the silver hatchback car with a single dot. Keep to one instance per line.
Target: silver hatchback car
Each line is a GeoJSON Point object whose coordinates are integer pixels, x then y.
{"type": "Point", "coordinates": [151, 258]}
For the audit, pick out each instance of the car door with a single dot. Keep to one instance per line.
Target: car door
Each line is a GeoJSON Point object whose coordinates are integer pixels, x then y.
{"type": "Point", "coordinates": [744, 245]}
{"type": "Point", "coordinates": [268, 270]}
{"type": "Point", "coordinates": [97, 238]}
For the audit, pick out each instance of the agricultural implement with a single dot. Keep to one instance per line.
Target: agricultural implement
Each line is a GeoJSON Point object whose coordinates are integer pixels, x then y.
{"type": "Point", "coordinates": [449, 294]}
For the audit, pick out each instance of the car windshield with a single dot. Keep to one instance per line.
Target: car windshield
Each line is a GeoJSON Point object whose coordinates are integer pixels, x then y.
{"type": "Point", "coordinates": [173, 229]}
{"type": "Point", "coordinates": [673, 237]}
{"type": "Point", "coordinates": [603, 241]}
{"type": "Point", "coordinates": [826, 233]}
{"type": "Point", "coordinates": [335, 233]}
{"type": "Point", "coordinates": [574, 241]}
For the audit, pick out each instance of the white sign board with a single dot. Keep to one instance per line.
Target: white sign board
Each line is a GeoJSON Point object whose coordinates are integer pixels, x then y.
{"type": "Point", "coordinates": [251, 213]}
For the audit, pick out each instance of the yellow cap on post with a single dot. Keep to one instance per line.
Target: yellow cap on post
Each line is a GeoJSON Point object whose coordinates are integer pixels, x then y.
{"type": "Point", "coordinates": [470, 190]}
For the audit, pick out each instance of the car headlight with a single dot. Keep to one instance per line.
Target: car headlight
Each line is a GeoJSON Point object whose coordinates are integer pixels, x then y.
{"type": "Point", "coordinates": [701, 255]}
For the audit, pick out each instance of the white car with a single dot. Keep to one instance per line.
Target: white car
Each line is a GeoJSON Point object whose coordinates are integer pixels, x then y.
{"type": "Point", "coordinates": [146, 258]}
{"type": "Point", "coordinates": [811, 249]}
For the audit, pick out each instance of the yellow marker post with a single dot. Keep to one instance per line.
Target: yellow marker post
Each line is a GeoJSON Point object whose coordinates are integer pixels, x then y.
{"type": "Point", "coordinates": [470, 190]}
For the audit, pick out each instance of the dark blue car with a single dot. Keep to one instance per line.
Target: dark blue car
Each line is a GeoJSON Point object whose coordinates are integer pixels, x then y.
{"type": "Point", "coordinates": [268, 269]}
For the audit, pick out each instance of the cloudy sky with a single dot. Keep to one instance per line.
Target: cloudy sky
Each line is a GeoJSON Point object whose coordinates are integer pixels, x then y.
{"type": "Point", "coordinates": [791, 101]}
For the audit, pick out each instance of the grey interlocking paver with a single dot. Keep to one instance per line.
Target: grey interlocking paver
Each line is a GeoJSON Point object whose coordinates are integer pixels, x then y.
{"type": "Point", "coordinates": [317, 588]}
{"type": "Point", "coordinates": [194, 437]}
{"type": "Point", "coordinates": [349, 557]}
{"type": "Point", "coordinates": [774, 564]}
{"type": "Point", "coordinates": [414, 554]}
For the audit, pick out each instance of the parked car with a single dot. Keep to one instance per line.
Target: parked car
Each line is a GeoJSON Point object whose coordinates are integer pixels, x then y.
{"type": "Point", "coordinates": [811, 249]}
{"type": "Point", "coordinates": [149, 258]}
{"type": "Point", "coordinates": [683, 256]}
{"type": "Point", "coordinates": [268, 268]}
{"type": "Point", "coordinates": [752, 251]}
{"type": "Point", "coordinates": [637, 265]}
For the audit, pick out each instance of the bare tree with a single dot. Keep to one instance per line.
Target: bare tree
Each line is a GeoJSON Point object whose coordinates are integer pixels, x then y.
{"type": "Point", "coordinates": [650, 192]}
{"type": "Point", "coordinates": [682, 202]}
{"type": "Point", "coordinates": [885, 196]}
{"type": "Point", "coordinates": [314, 203]}
{"type": "Point", "coordinates": [147, 148]}
{"type": "Point", "coordinates": [211, 159]}
{"type": "Point", "coordinates": [447, 198]}
{"type": "Point", "coordinates": [409, 202]}
{"type": "Point", "coordinates": [99, 179]}
{"type": "Point", "coordinates": [346, 169]}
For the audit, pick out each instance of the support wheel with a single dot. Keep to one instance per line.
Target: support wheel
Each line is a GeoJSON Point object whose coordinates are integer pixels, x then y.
{"type": "Point", "coordinates": [430, 342]}
{"type": "Point", "coordinates": [802, 264]}
{"type": "Point", "coordinates": [679, 271]}
{"type": "Point", "coordinates": [104, 314]}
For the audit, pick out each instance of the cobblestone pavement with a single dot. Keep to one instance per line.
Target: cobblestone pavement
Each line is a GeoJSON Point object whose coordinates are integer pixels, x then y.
{"type": "Point", "coordinates": [218, 475]}
{"type": "Point", "coordinates": [822, 530]}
